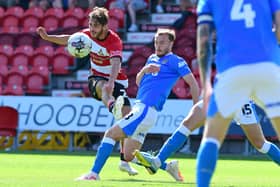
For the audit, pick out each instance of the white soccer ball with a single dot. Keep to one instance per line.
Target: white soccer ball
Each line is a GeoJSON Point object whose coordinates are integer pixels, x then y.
{"type": "Point", "coordinates": [79, 45]}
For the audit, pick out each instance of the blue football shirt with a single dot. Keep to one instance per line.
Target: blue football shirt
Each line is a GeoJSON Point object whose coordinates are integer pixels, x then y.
{"type": "Point", "coordinates": [154, 89]}
{"type": "Point", "coordinates": [244, 30]}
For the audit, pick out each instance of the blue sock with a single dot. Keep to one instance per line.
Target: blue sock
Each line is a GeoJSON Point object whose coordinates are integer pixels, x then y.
{"type": "Point", "coordinates": [174, 142]}
{"type": "Point", "coordinates": [206, 161]}
{"type": "Point", "coordinates": [103, 153]}
{"type": "Point", "coordinates": [272, 151]}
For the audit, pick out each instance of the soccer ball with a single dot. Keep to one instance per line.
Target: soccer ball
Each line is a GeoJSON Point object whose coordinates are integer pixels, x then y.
{"type": "Point", "coordinates": [79, 45]}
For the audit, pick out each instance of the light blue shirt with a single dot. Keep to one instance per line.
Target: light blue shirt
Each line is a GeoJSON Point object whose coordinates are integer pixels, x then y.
{"type": "Point", "coordinates": [244, 30]}
{"type": "Point", "coordinates": [154, 89]}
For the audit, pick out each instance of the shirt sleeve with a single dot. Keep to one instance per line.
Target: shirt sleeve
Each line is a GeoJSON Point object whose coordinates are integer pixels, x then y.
{"type": "Point", "coordinates": [115, 49]}
{"type": "Point", "coordinates": [182, 67]}
{"type": "Point", "coordinates": [275, 5]}
{"type": "Point", "coordinates": [204, 12]}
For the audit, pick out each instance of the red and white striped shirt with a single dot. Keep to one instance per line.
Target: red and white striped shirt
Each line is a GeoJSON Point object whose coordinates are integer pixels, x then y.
{"type": "Point", "coordinates": [101, 53]}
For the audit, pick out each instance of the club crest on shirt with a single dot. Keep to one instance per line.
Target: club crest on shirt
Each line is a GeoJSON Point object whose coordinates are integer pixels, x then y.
{"type": "Point", "coordinates": [100, 52]}
{"type": "Point", "coordinates": [164, 61]}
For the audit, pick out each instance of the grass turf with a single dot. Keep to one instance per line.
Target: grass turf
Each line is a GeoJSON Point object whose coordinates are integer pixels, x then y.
{"type": "Point", "coordinates": [18, 169]}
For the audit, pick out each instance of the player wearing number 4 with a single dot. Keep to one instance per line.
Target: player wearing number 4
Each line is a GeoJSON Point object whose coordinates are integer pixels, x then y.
{"type": "Point", "coordinates": [155, 81]}
{"type": "Point", "coordinates": [107, 80]}
{"type": "Point", "coordinates": [247, 62]}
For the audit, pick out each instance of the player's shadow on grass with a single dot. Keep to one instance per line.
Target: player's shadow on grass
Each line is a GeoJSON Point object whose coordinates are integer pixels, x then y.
{"type": "Point", "coordinates": [152, 182]}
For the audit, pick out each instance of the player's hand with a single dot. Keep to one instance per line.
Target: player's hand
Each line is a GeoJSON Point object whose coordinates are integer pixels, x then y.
{"type": "Point", "coordinates": [109, 87]}
{"type": "Point", "coordinates": [42, 32]}
{"type": "Point", "coordinates": [152, 68]}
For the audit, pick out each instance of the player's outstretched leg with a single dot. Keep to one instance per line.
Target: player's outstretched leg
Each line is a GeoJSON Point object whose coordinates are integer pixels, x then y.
{"type": "Point", "coordinates": [173, 169]}
{"type": "Point", "coordinates": [152, 164]}
{"type": "Point", "coordinates": [103, 153]}
{"type": "Point", "coordinates": [147, 160]}
{"type": "Point", "coordinates": [124, 165]}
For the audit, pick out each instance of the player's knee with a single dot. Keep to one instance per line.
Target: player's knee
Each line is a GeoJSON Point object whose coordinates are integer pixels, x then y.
{"type": "Point", "coordinates": [115, 133]}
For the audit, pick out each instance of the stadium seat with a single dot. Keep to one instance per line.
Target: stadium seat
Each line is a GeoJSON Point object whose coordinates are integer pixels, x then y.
{"type": "Point", "coordinates": [34, 84]}
{"type": "Point", "coordinates": [34, 11]}
{"type": "Point", "coordinates": [10, 20]}
{"type": "Point", "coordinates": [19, 59]}
{"type": "Point", "coordinates": [57, 12]}
{"type": "Point", "coordinates": [9, 123]}
{"type": "Point", "coordinates": [61, 64]}
{"type": "Point", "coordinates": [13, 89]}
{"type": "Point", "coordinates": [144, 51]}
{"type": "Point", "coordinates": [32, 17]}
{"type": "Point", "coordinates": [6, 49]}
{"type": "Point", "coordinates": [22, 55]}
{"type": "Point", "coordinates": [51, 23]}
{"type": "Point", "coordinates": [43, 71]}
{"type": "Point", "coordinates": [6, 52]}
{"type": "Point", "coordinates": [52, 18]}
{"type": "Point", "coordinates": [76, 12]}
{"type": "Point", "coordinates": [12, 16]}
{"type": "Point", "coordinates": [135, 64]}
{"type": "Point", "coordinates": [133, 69]}
{"type": "Point", "coordinates": [30, 21]}
{"type": "Point", "coordinates": [113, 24]}
{"type": "Point", "coordinates": [138, 59]}
{"type": "Point", "coordinates": [42, 56]}
{"type": "Point", "coordinates": [61, 61]}
{"type": "Point", "coordinates": [29, 30]}
{"type": "Point", "coordinates": [24, 49]}
{"type": "Point", "coordinates": [119, 15]}
{"type": "Point", "coordinates": [181, 90]}
{"type": "Point", "coordinates": [14, 10]}
{"type": "Point", "coordinates": [14, 79]}
{"type": "Point", "coordinates": [70, 21]}
{"type": "Point", "coordinates": [17, 74]}
{"type": "Point", "coordinates": [3, 70]}
{"type": "Point", "coordinates": [188, 52]}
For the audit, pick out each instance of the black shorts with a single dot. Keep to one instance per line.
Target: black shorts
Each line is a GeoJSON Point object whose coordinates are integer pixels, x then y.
{"type": "Point", "coordinates": [118, 89]}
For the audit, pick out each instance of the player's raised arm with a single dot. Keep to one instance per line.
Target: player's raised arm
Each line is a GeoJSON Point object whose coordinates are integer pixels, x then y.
{"type": "Point", "coordinates": [57, 39]}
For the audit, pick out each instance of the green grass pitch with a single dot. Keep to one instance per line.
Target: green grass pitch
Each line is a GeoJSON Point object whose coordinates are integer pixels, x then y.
{"type": "Point", "coordinates": [20, 169]}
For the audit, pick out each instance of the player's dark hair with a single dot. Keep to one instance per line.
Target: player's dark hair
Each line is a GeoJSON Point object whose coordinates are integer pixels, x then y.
{"type": "Point", "coordinates": [100, 15]}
